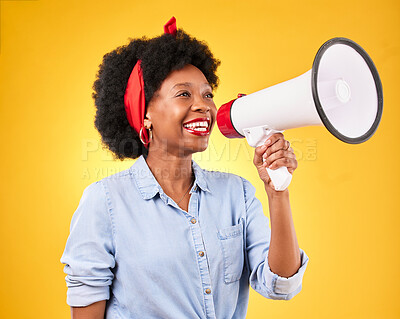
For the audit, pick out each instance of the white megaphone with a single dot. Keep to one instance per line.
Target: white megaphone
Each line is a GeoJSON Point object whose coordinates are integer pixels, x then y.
{"type": "Point", "coordinates": [342, 91]}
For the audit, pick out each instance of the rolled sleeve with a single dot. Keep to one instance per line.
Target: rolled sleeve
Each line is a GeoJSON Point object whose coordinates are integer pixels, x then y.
{"type": "Point", "coordinates": [285, 288]}
{"type": "Point", "coordinates": [89, 251]}
{"type": "Point", "coordinates": [258, 237]}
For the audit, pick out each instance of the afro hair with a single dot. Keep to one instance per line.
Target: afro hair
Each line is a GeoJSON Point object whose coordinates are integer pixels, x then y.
{"type": "Point", "coordinates": [160, 56]}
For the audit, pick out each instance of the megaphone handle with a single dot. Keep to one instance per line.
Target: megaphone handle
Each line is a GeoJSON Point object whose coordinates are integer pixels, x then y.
{"type": "Point", "coordinates": [256, 136]}
{"type": "Point", "coordinates": [280, 177]}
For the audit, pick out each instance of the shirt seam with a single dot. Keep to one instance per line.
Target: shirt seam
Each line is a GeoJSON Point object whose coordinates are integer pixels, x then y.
{"type": "Point", "coordinates": [139, 187]}
{"type": "Point", "coordinates": [110, 216]}
{"type": "Point", "coordinates": [246, 258]}
{"type": "Point", "coordinates": [273, 284]}
{"type": "Point", "coordinates": [118, 174]}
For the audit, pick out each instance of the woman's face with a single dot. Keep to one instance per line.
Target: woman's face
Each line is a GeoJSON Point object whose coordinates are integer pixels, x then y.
{"type": "Point", "coordinates": [182, 112]}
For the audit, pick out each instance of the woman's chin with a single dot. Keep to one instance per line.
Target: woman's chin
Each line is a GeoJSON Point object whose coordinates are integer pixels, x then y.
{"type": "Point", "coordinates": [199, 146]}
{"type": "Point", "coordinates": [202, 149]}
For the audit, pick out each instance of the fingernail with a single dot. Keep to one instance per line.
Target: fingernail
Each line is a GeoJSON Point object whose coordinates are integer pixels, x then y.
{"type": "Point", "coordinates": [263, 147]}
{"type": "Point", "coordinates": [268, 142]}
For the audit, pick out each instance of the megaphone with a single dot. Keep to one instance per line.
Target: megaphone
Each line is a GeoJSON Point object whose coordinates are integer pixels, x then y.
{"type": "Point", "coordinates": [342, 91]}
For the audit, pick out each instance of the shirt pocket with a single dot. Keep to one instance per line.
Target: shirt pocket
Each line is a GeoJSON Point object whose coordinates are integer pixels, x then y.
{"type": "Point", "coordinates": [231, 240]}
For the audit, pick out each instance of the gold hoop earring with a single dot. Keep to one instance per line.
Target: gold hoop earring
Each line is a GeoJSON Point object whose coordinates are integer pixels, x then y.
{"type": "Point", "coordinates": [140, 136]}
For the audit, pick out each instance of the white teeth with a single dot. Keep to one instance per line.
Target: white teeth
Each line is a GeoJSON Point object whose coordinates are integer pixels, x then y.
{"type": "Point", "coordinates": [199, 126]}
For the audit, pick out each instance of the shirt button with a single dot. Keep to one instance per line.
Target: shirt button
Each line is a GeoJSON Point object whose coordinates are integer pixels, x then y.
{"type": "Point", "coordinates": [201, 254]}
{"type": "Point", "coordinates": [208, 291]}
{"type": "Point", "coordinates": [193, 220]}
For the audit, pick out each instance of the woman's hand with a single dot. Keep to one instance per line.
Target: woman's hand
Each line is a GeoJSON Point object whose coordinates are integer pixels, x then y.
{"type": "Point", "coordinates": [277, 152]}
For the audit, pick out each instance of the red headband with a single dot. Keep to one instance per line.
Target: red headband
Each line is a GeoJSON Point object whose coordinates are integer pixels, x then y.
{"type": "Point", "coordinates": [134, 99]}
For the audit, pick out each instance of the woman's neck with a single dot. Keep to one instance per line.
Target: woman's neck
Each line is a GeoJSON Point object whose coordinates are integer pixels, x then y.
{"type": "Point", "coordinates": [173, 173]}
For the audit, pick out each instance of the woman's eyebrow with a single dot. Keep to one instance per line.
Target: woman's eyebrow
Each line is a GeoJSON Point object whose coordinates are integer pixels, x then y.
{"type": "Point", "coordinates": [188, 84]}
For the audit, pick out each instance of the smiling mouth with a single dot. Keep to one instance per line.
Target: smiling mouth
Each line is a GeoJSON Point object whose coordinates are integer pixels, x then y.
{"type": "Point", "coordinates": [199, 126]}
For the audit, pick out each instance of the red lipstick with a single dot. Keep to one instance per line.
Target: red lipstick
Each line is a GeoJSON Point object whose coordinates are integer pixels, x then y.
{"type": "Point", "coordinates": [198, 126]}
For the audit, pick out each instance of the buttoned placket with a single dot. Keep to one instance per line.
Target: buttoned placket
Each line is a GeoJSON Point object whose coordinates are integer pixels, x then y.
{"type": "Point", "coordinates": [192, 217]}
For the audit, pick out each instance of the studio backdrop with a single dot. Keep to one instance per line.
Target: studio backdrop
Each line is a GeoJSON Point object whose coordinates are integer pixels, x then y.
{"type": "Point", "coordinates": [343, 195]}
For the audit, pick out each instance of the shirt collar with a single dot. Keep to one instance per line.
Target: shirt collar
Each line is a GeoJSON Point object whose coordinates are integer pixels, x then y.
{"type": "Point", "coordinates": [148, 185]}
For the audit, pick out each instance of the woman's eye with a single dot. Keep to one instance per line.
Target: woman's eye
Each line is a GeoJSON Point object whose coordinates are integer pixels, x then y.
{"type": "Point", "coordinates": [210, 95]}
{"type": "Point", "coordinates": [186, 94]}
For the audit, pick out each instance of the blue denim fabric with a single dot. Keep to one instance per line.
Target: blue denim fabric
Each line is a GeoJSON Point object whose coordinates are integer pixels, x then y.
{"type": "Point", "coordinates": [131, 244]}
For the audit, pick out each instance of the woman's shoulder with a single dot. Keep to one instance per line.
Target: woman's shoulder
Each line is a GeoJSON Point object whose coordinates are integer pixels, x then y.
{"type": "Point", "coordinates": [101, 189]}
{"type": "Point", "coordinates": [221, 176]}
{"type": "Point", "coordinates": [116, 179]}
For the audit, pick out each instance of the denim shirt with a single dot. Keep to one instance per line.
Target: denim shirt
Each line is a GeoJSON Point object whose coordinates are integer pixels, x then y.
{"type": "Point", "coordinates": [132, 245]}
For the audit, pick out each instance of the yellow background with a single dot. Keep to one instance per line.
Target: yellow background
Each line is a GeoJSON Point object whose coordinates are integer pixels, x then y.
{"type": "Point", "coordinates": [343, 196]}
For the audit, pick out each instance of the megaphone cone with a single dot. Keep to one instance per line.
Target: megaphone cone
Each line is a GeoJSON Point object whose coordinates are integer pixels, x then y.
{"type": "Point", "coordinates": [342, 92]}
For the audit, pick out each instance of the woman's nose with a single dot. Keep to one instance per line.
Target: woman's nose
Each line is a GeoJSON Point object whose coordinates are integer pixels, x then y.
{"type": "Point", "coordinates": [200, 105]}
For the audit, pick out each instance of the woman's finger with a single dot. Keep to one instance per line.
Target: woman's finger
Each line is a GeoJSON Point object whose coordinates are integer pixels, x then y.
{"type": "Point", "coordinates": [273, 139]}
{"type": "Point", "coordinates": [258, 153]}
{"type": "Point", "coordinates": [260, 150]}
{"type": "Point", "coordinates": [280, 144]}
{"type": "Point", "coordinates": [289, 162]}
{"type": "Point", "coordinates": [277, 155]}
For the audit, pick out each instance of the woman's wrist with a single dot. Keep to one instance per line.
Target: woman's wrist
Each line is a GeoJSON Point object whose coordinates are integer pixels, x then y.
{"type": "Point", "coordinates": [273, 194]}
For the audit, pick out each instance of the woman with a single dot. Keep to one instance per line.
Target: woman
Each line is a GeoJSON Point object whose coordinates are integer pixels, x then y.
{"type": "Point", "coordinates": [165, 238]}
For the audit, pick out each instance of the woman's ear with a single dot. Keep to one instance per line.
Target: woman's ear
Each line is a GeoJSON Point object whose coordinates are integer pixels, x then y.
{"type": "Point", "coordinates": [147, 118]}
{"type": "Point", "coordinates": [147, 121]}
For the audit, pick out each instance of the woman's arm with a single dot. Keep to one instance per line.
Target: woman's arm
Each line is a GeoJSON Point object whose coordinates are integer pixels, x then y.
{"type": "Point", "coordinates": [89, 254]}
{"type": "Point", "coordinates": [93, 311]}
{"type": "Point", "coordinates": [284, 253]}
